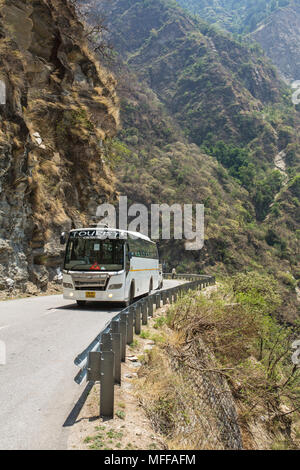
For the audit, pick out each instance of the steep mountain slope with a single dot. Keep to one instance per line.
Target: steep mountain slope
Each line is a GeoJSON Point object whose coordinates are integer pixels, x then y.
{"type": "Point", "coordinates": [57, 108]}
{"type": "Point", "coordinates": [279, 36]}
{"type": "Point", "coordinates": [204, 120]}
{"type": "Point", "coordinates": [274, 24]}
{"type": "Point", "coordinates": [216, 88]}
{"type": "Point", "coordinates": [237, 16]}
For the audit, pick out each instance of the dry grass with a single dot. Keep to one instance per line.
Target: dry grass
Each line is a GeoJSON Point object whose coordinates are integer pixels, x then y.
{"type": "Point", "coordinates": [173, 406]}
{"type": "Point", "coordinates": [176, 401]}
{"type": "Point", "coordinates": [206, 385]}
{"type": "Point", "coordinates": [252, 351]}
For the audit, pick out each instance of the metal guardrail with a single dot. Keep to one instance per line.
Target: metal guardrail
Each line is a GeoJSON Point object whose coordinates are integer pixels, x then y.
{"type": "Point", "coordinates": [101, 360]}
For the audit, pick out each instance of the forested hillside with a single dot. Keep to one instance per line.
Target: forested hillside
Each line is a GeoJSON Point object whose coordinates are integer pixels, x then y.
{"type": "Point", "coordinates": [274, 24]}
{"type": "Point", "coordinates": [206, 119]}
{"type": "Point", "coordinates": [238, 16]}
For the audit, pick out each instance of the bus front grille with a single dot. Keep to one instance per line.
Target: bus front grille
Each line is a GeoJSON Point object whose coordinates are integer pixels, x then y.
{"type": "Point", "coordinates": [89, 283]}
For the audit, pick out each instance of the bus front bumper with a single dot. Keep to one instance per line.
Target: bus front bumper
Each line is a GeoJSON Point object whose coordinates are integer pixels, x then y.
{"type": "Point", "coordinates": [114, 295]}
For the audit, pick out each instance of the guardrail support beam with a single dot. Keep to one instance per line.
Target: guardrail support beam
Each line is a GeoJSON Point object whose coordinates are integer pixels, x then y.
{"type": "Point", "coordinates": [116, 344]}
{"type": "Point", "coordinates": [106, 342]}
{"type": "Point", "coordinates": [94, 367]}
{"type": "Point", "coordinates": [137, 316]}
{"type": "Point", "coordinates": [130, 326]}
{"type": "Point", "coordinates": [150, 306]}
{"type": "Point", "coordinates": [123, 331]}
{"type": "Point", "coordinates": [158, 298]}
{"type": "Point", "coordinates": [144, 313]}
{"type": "Point", "coordinates": [107, 385]}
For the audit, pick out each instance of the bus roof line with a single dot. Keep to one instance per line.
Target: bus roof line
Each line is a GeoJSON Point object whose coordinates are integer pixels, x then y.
{"type": "Point", "coordinates": [107, 229]}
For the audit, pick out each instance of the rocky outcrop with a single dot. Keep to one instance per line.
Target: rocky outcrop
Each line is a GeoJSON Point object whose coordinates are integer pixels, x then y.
{"type": "Point", "coordinates": [58, 107]}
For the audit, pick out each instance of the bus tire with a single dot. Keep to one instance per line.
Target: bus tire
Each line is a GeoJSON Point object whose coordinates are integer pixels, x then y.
{"type": "Point", "coordinates": [131, 296]}
{"type": "Point", "coordinates": [81, 303]}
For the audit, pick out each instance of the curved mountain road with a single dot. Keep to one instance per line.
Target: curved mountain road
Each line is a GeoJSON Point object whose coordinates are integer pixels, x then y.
{"type": "Point", "coordinates": [43, 335]}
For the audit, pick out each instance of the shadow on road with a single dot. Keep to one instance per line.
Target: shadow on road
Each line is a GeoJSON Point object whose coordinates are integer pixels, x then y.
{"type": "Point", "coordinates": [91, 307]}
{"type": "Point", "coordinates": [71, 419]}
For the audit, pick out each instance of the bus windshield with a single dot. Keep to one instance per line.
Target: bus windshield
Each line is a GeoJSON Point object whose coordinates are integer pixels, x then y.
{"type": "Point", "coordinates": [85, 254]}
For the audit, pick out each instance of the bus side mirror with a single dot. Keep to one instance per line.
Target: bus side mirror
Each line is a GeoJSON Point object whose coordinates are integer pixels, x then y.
{"type": "Point", "coordinates": [63, 238]}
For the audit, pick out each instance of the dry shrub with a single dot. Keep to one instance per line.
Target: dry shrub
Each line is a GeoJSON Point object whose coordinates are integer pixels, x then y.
{"type": "Point", "coordinates": [223, 377]}
{"type": "Point", "coordinates": [252, 351]}
{"type": "Point", "coordinates": [228, 329]}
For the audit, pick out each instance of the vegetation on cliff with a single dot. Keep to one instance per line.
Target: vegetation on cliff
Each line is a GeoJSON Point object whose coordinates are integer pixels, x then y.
{"type": "Point", "coordinates": [60, 107]}
{"type": "Point", "coordinates": [228, 380]}
{"type": "Point", "coordinates": [274, 24]}
{"type": "Point", "coordinates": [237, 16]}
{"type": "Point", "coordinates": [205, 120]}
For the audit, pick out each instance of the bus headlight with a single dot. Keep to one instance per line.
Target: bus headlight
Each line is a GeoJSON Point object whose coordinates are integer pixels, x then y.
{"type": "Point", "coordinates": [115, 286]}
{"type": "Point", "coordinates": [67, 285]}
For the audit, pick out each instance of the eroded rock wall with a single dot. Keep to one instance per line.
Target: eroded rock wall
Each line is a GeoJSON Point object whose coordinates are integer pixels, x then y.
{"type": "Point", "coordinates": [58, 107]}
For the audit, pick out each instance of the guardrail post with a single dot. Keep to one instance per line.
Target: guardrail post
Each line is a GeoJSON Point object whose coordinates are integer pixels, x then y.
{"type": "Point", "coordinates": [106, 342]}
{"type": "Point", "coordinates": [144, 312]}
{"type": "Point", "coordinates": [130, 325]}
{"type": "Point", "coordinates": [158, 298]}
{"type": "Point", "coordinates": [115, 326]}
{"type": "Point", "coordinates": [116, 344]}
{"type": "Point", "coordinates": [107, 385]}
{"type": "Point", "coordinates": [123, 331]}
{"type": "Point", "coordinates": [94, 366]}
{"type": "Point", "coordinates": [150, 306]}
{"type": "Point", "coordinates": [116, 347]}
{"type": "Point", "coordinates": [137, 324]}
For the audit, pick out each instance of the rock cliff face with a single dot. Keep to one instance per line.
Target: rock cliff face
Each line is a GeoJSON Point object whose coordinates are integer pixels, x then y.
{"type": "Point", "coordinates": [58, 107]}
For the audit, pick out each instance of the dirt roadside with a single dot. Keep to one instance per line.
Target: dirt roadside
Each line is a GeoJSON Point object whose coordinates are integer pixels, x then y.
{"type": "Point", "coordinates": [53, 289]}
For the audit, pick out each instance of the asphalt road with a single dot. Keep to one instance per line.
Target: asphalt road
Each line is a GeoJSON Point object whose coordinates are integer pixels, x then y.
{"type": "Point", "coordinates": [43, 335]}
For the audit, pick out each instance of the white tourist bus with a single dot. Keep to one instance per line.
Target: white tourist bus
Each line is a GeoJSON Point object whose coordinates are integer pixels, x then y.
{"type": "Point", "coordinates": [109, 265]}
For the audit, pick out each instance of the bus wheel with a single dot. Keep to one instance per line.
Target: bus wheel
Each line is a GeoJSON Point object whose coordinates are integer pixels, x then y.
{"type": "Point", "coordinates": [131, 296]}
{"type": "Point", "coordinates": [81, 303]}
